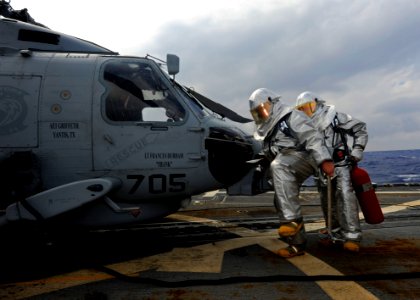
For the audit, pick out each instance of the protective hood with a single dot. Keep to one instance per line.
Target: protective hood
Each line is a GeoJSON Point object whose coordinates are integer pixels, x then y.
{"type": "Point", "coordinates": [324, 115]}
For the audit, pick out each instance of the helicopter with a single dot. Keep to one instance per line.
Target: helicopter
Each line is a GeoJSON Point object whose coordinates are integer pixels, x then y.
{"type": "Point", "coordinates": [89, 137]}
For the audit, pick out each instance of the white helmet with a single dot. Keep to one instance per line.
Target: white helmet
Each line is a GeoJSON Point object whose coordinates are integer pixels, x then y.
{"type": "Point", "coordinates": [308, 102]}
{"type": "Point", "coordinates": [260, 104]}
{"type": "Point", "coordinates": [305, 97]}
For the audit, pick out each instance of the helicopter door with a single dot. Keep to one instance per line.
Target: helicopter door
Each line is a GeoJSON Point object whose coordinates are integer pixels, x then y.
{"type": "Point", "coordinates": [143, 126]}
{"type": "Point", "coordinates": [19, 111]}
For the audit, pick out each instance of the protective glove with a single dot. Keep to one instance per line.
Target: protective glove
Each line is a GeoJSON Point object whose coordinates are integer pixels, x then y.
{"type": "Point", "coordinates": [357, 153]}
{"type": "Point", "coordinates": [327, 166]}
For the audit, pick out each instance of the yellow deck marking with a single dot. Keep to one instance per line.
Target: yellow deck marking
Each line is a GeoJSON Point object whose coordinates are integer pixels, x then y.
{"type": "Point", "coordinates": [22, 290]}
{"type": "Point", "coordinates": [308, 264]}
{"type": "Point", "coordinates": [398, 207]}
{"type": "Point", "coordinates": [397, 192]}
{"type": "Point", "coordinates": [202, 258]}
{"type": "Point", "coordinates": [205, 258]}
{"type": "Point", "coordinates": [395, 208]}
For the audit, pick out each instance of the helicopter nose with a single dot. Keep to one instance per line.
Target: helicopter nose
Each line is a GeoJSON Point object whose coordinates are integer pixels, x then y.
{"type": "Point", "coordinates": [228, 151]}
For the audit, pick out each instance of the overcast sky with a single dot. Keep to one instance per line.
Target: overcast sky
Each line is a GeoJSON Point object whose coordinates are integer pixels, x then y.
{"type": "Point", "coordinates": [363, 56]}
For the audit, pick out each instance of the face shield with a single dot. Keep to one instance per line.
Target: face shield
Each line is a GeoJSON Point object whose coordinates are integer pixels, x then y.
{"type": "Point", "coordinates": [261, 102]}
{"type": "Point", "coordinates": [308, 108]}
{"type": "Point", "coordinates": [261, 113]}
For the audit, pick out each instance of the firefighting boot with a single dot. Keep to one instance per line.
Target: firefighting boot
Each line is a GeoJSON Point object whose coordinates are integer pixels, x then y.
{"type": "Point", "coordinates": [289, 229]}
{"type": "Point", "coordinates": [291, 251]}
{"type": "Point", "coordinates": [351, 246]}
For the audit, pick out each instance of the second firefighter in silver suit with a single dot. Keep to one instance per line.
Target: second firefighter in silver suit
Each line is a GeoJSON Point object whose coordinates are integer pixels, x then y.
{"type": "Point", "coordinates": [336, 127]}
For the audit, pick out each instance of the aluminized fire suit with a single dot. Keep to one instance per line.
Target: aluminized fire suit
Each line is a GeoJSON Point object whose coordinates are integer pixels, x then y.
{"type": "Point", "coordinates": [296, 149]}
{"type": "Point", "coordinates": [337, 127]}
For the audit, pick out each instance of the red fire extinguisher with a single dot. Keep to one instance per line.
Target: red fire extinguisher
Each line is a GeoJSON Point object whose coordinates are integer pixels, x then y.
{"type": "Point", "coordinates": [366, 195]}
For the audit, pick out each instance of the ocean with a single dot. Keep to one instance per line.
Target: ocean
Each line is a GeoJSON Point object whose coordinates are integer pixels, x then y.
{"type": "Point", "coordinates": [399, 167]}
{"type": "Point", "coordinates": [392, 167]}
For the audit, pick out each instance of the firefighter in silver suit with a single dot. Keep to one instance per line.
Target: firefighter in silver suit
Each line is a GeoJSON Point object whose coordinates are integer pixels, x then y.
{"type": "Point", "coordinates": [336, 127]}
{"type": "Point", "coordinates": [295, 150]}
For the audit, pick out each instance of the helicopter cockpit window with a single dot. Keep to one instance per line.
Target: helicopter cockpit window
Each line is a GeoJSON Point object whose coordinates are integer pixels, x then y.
{"type": "Point", "coordinates": [136, 93]}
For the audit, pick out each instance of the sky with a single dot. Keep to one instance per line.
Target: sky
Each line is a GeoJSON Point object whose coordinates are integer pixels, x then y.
{"type": "Point", "coordinates": [363, 56]}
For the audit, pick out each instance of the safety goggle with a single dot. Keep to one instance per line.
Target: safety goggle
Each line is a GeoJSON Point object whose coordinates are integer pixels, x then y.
{"type": "Point", "coordinates": [262, 112]}
{"type": "Point", "coordinates": [308, 108]}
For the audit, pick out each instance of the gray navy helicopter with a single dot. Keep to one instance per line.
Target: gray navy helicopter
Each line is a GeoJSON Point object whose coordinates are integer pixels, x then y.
{"type": "Point", "coordinates": [92, 138]}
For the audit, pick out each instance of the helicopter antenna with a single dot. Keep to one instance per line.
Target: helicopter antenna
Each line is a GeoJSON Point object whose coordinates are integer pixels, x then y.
{"type": "Point", "coordinates": [155, 58]}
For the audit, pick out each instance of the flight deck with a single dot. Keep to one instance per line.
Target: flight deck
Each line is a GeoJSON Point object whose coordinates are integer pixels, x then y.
{"type": "Point", "coordinates": [220, 247]}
